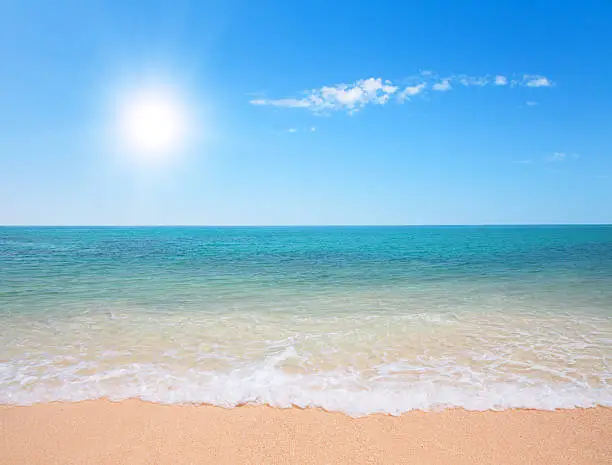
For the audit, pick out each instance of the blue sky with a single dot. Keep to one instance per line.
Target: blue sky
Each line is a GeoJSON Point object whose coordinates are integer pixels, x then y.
{"type": "Point", "coordinates": [310, 112]}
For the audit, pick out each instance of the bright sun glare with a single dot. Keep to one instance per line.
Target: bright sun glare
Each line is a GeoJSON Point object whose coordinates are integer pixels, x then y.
{"type": "Point", "coordinates": [153, 124]}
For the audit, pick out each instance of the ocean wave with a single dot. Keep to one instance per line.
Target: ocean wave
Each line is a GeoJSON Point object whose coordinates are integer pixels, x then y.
{"type": "Point", "coordinates": [277, 389]}
{"type": "Point", "coordinates": [380, 389]}
{"type": "Point", "coordinates": [359, 363]}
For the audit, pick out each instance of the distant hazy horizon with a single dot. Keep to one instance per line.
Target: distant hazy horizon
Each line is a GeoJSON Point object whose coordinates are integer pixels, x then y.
{"type": "Point", "coordinates": [441, 225]}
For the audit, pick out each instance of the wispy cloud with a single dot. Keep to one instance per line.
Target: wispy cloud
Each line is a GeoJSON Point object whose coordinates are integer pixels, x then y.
{"type": "Point", "coordinates": [352, 97]}
{"type": "Point", "coordinates": [349, 97]}
{"type": "Point", "coordinates": [500, 80]}
{"type": "Point", "coordinates": [479, 81]}
{"type": "Point", "coordinates": [411, 91]}
{"type": "Point", "coordinates": [536, 81]}
{"type": "Point", "coordinates": [531, 103]}
{"type": "Point", "coordinates": [557, 157]}
{"type": "Point", "coordinates": [295, 130]}
{"type": "Point", "coordinates": [283, 102]}
{"type": "Point", "coordinates": [442, 86]}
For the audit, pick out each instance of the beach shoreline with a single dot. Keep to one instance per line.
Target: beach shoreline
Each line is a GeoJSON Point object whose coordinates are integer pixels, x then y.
{"type": "Point", "coordinates": [135, 432]}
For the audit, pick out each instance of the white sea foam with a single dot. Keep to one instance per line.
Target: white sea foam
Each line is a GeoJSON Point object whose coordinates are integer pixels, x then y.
{"type": "Point", "coordinates": [267, 384]}
{"type": "Point", "coordinates": [358, 363]}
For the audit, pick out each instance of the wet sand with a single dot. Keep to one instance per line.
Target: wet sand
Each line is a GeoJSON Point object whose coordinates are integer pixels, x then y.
{"type": "Point", "coordinates": [136, 432]}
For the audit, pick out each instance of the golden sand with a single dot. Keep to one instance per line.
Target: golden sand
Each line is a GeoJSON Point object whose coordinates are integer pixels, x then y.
{"type": "Point", "coordinates": [136, 432]}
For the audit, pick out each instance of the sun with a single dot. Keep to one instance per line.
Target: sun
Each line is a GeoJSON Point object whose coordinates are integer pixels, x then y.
{"type": "Point", "coordinates": [153, 124]}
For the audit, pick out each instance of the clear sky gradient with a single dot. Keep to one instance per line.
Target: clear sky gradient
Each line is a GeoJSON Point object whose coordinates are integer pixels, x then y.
{"type": "Point", "coordinates": [310, 112]}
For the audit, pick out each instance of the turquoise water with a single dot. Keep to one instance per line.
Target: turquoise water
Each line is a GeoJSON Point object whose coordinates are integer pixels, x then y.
{"type": "Point", "coordinates": [355, 319]}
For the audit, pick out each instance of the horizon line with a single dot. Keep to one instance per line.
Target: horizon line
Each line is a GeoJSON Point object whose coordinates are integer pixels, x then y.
{"type": "Point", "coordinates": [354, 225]}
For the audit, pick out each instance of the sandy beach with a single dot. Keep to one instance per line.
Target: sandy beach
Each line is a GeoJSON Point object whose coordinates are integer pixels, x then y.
{"type": "Point", "coordinates": [136, 432]}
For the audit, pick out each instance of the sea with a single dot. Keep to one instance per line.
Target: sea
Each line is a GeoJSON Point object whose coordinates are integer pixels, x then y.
{"type": "Point", "coordinates": [358, 320]}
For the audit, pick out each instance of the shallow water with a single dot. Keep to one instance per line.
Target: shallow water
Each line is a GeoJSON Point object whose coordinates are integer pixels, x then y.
{"type": "Point", "coordinates": [359, 320]}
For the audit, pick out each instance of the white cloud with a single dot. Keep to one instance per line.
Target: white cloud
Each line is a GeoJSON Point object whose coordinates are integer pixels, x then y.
{"type": "Point", "coordinates": [442, 86]}
{"type": "Point", "coordinates": [351, 98]}
{"type": "Point", "coordinates": [295, 130]}
{"type": "Point", "coordinates": [531, 80]}
{"type": "Point", "coordinates": [561, 156]}
{"type": "Point", "coordinates": [411, 91]}
{"type": "Point", "coordinates": [557, 156]}
{"type": "Point", "coordinates": [283, 102]}
{"type": "Point", "coordinates": [531, 103]}
{"type": "Point", "coordinates": [501, 80]}
{"type": "Point", "coordinates": [479, 81]}
{"type": "Point", "coordinates": [348, 97]}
